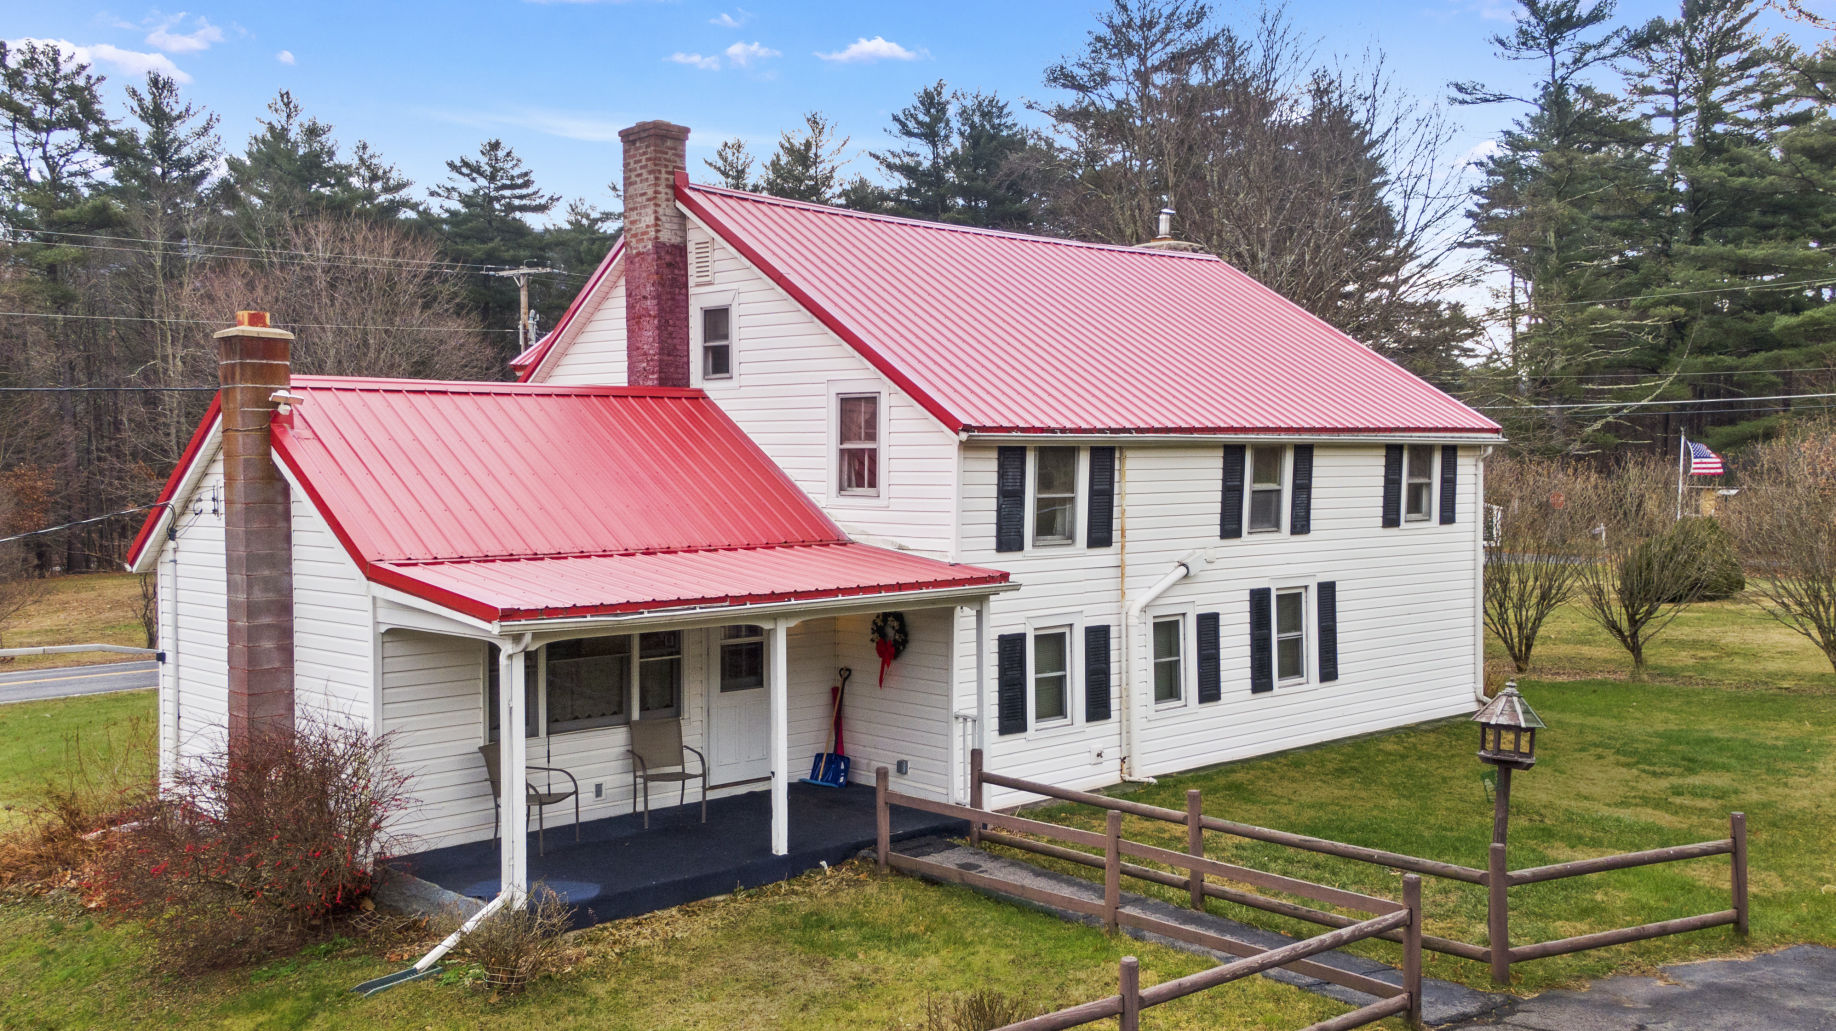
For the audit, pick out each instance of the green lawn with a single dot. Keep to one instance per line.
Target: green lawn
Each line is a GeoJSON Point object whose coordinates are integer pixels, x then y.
{"type": "Point", "coordinates": [90, 608]}
{"type": "Point", "coordinates": [95, 738]}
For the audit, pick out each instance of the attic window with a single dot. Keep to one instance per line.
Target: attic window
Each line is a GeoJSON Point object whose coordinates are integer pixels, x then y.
{"type": "Point", "coordinates": [701, 262]}
{"type": "Point", "coordinates": [717, 343]}
{"type": "Point", "coordinates": [859, 443]}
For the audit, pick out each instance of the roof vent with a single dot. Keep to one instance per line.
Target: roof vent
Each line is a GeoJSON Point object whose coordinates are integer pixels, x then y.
{"type": "Point", "coordinates": [1163, 241]}
{"type": "Point", "coordinates": [701, 262]}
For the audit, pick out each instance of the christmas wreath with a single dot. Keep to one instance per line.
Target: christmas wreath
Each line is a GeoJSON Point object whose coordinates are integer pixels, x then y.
{"type": "Point", "coordinates": [889, 639]}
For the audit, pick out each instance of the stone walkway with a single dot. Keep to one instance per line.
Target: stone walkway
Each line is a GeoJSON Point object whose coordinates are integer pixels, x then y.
{"type": "Point", "coordinates": [1442, 1001]}
{"type": "Point", "coordinates": [1790, 990]}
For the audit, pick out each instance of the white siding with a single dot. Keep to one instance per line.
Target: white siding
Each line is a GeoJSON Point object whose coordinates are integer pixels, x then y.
{"type": "Point", "coordinates": [787, 369]}
{"type": "Point", "coordinates": [909, 717]}
{"type": "Point", "coordinates": [332, 632]}
{"type": "Point", "coordinates": [433, 705]}
{"type": "Point", "coordinates": [1405, 612]}
{"type": "Point", "coordinates": [197, 650]}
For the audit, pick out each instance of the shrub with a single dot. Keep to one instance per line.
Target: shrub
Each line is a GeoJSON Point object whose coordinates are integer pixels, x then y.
{"type": "Point", "coordinates": [1720, 575]}
{"type": "Point", "coordinates": [980, 1010]}
{"type": "Point", "coordinates": [238, 859]}
{"type": "Point", "coordinates": [103, 780]}
{"type": "Point", "coordinates": [517, 945]}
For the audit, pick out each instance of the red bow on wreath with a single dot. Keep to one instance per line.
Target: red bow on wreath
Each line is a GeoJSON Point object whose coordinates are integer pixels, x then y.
{"type": "Point", "coordinates": [889, 639]}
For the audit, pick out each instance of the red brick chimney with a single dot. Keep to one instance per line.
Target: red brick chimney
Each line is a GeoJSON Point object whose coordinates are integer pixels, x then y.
{"type": "Point", "coordinates": [656, 257]}
{"type": "Point", "coordinates": [253, 363]}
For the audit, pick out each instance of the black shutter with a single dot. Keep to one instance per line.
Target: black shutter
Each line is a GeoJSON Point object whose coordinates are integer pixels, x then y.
{"type": "Point", "coordinates": [1300, 513]}
{"type": "Point", "coordinates": [1010, 500]}
{"type": "Point", "coordinates": [1011, 675]}
{"type": "Point", "coordinates": [1450, 472]}
{"type": "Point", "coordinates": [1099, 532]}
{"type": "Point", "coordinates": [1230, 517]}
{"type": "Point", "coordinates": [1096, 673]}
{"type": "Point", "coordinates": [1392, 484]}
{"type": "Point", "coordinates": [1262, 639]}
{"type": "Point", "coordinates": [1329, 631]}
{"type": "Point", "coordinates": [1210, 672]}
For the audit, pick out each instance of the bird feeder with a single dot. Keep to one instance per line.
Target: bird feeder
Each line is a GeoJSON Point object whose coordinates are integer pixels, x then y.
{"type": "Point", "coordinates": [1507, 730]}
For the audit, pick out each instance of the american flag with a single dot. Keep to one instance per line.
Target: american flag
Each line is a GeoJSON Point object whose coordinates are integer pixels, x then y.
{"type": "Point", "coordinates": [1702, 461]}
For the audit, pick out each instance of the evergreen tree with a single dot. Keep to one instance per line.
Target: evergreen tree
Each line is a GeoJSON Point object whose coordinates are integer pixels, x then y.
{"type": "Point", "coordinates": [922, 173]}
{"type": "Point", "coordinates": [732, 165]}
{"type": "Point", "coordinates": [807, 163]}
{"type": "Point", "coordinates": [988, 177]}
{"type": "Point", "coordinates": [488, 198]}
{"type": "Point", "coordinates": [292, 170]}
{"type": "Point", "coordinates": [165, 158]}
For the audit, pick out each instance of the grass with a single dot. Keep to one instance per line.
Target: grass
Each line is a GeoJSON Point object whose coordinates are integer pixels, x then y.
{"type": "Point", "coordinates": [67, 737]}
{"type": "Point", "coordinates": [92, 608]}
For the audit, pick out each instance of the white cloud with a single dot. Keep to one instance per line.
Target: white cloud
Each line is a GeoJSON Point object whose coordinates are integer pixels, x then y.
{"type": "Point", "coordinates": [741, 55]}
{"type": "Point", "coordinates": [1480, 151]}
{"type": "Point", "coordinates": [133, 62]}
{"type": "Point", "coordinates": [285, 57]}
{"type": "Point", "coordinates": [165, 37]}
{"type": "Point", "coordinates": [706, 62]}
{"type": "Point", "coordinates": [731, 21]}
{"type": "Point", "coordinates": [572, 125]}
{"type": "Point", "coordinates": [879, 48]}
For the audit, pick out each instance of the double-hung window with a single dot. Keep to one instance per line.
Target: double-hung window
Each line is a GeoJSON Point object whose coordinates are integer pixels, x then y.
{"type": "Point", "coordinates": [1052, 676]}
{"type": "Point", "coordinates": [1266, 463]}
{"type": "Point", "coordinates": [717, 343]}
{"type": "Point", "coordinates": [1055, 495]}
{"type": "Point", "coordinates": [858, 443]}
{"type": "Point", "coordinates": [1418, 482]}
{"type": "Point", "coordinates": [742, 658]}
{"type": "Point", "coordinates": [1169, 660]}
{"type": "Point", "coordinates": [1291, 635]}
{"type": "Point", "coordinates": [659, 674]}
{"type": "Point", "coordinates": [589, 683]}
{"type": "Point", "coordinates": [595, 682]}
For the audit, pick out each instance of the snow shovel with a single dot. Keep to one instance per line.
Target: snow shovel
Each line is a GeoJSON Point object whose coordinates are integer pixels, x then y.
{"type": "Point", "coordinates": [830, 769]}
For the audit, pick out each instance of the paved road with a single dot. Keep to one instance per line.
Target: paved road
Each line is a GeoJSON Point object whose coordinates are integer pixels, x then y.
{"type": "Point", "coordinates": [1790, 990]}
{"type": "Point", "coordinates": [31, 685]}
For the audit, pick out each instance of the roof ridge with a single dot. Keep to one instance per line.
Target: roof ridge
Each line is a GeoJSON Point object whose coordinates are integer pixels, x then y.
{"type": "Point", "coordinates": [629, 553]}
{"type": "Point", "coordinates": [438, 386]}
{"type": "Point", "coordinates": [946, 227]}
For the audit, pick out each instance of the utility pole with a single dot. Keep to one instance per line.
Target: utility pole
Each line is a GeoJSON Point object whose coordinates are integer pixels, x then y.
{"type": "Point", "coordinates": [521, 275]}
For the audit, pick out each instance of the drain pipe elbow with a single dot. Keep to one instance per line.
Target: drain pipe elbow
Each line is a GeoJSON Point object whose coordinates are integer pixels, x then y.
{"type": "Point", "coordinates": [1131, 620]}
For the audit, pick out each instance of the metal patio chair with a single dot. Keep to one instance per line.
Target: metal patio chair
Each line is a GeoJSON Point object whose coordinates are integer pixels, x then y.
{"type": "Point", "coordinates": [658, 754]}
{"type": "Point", "coordinates": [538, 800]}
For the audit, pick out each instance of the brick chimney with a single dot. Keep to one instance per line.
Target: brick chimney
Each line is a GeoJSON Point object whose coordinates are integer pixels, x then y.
{"type": "Point", "coordinates": [253, 363]}
{"type": "Point", "coordinates": [656, 257]}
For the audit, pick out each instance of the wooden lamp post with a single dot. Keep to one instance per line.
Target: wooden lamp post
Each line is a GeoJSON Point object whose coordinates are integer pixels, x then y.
{"type": "Point", "coordinates": [1507, 740]}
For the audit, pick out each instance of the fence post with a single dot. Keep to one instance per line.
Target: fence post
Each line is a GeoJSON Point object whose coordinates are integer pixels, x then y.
{"type": "Point", "coordinates": [1112, 873]}
{"type": "Point", "coordinates": [1412, 947]}
{"type": "Point", "coordinates": [1195, 844]}
{"type": "Point", "coordinates": [975, 796]}
{"type": "Point", "coordinates": [1737, 826]}
{"type": "Point", "coordinates": [882, 818]}
{"type": "Point", "coordinates": [1131, 994]}
{"type": "Point", "coordinates": [1497, 914]}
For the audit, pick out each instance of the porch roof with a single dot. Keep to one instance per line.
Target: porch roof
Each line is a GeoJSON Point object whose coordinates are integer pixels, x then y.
{"type": "Point", "coordinates": [606, 585]}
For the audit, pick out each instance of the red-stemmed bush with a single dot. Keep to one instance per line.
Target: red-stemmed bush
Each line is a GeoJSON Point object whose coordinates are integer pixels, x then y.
{"type": "Point", "coordinates": [239, 858]}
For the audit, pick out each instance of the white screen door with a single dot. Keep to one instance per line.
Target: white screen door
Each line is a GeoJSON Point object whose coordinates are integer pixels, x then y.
{"type": "Point", "coordinates": [739, 707]}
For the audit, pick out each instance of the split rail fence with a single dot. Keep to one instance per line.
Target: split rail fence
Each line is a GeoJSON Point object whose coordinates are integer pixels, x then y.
{"type": "Point", "coordinates": [1400, 919]}
{"type": "Point", "coordinates": [1497, 878]}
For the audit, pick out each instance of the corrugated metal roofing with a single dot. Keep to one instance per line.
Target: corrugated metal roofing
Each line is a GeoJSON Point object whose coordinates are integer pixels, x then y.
{"type": "Point", "coordinates": [504, 500]}
{"type": "Point", "coordinates": [1003, 333]}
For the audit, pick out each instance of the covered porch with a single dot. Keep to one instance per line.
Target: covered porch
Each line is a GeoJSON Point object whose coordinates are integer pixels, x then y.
{"type": "Point", "coordinates": [620, 869]}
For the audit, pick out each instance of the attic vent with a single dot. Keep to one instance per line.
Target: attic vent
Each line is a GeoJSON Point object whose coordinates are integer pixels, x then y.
{"type": "Point", "coordinates": [701, 262]}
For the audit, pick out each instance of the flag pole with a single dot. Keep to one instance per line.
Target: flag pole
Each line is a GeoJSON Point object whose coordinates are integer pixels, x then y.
{"type": "Point", "coordinates": [1682, 457]}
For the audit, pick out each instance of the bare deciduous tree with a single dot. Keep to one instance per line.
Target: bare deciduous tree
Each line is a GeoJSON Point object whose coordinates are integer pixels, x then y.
{"type": "Point", "coordinates": [1542, 542]}
{"type": "Point", "coordinates": [1647, 569]}
{"type": "Point", "coordinates": [1784, 524]}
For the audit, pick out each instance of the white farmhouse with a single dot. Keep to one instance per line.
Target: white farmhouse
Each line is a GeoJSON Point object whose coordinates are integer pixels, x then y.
{"type": "Point", "coordinates": [1134, 513]}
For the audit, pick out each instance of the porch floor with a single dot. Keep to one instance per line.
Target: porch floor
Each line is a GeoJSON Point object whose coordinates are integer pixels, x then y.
{"type": "Point", "coordinates": [620, 869]}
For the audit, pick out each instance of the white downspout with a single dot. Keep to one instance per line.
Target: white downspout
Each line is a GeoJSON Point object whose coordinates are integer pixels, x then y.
{"type": "Point", "coordinates": [1131, 630]}
{"type": "Point", "coordinates": [1479, 576]}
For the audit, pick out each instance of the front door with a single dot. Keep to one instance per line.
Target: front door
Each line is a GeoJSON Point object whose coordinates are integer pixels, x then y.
{"type": "Point", "coordinates": [739, 707]}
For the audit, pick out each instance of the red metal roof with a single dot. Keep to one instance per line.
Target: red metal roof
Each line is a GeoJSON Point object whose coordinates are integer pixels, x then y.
{"type": "Point", "coordinates": [1003, 333]}
{"type": "Point", "coordinates": [511, 501]}
{"type": "Point", "coordinates": [158, 516]}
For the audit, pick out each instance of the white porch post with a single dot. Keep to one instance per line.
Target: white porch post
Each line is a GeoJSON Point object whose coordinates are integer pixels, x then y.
{"type": "Point", "coordinates": [779, 684]}
{"type": "Point", "coordinates": [513, 749]}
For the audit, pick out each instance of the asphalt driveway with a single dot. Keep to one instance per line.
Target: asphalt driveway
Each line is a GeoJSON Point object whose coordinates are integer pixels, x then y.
{"type": "Point", "coordinates": [32, 685]}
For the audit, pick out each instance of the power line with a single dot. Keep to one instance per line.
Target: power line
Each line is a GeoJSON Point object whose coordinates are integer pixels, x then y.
{"type": "Point", "coordinates": [78, 390]}
{"type": "Point", "coordinates": [1828, 369]}
{"type": "Point", "coordinates": [1643, 404]}
{"type": "Point", "coordinates": [362, 261]}
{"type": "Point", "coordinates": [1743, 288]}
{"type": "Point", "coordinates": [83, 522]}
{"type": "Point", "coordinates": [211, 322]}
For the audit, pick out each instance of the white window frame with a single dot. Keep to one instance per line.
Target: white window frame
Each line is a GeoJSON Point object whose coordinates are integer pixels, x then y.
{"type": "Point", "coordinates": [1433, 481]}
{"type": "Point", "coordinates": [633, 697]}
{"type": "Point", "coordinates": [1079, 491]}
{"type": "Point", "coordinates": [878, 446]}
{"type": "Point", "coordinates": [700, 300]}
{"type": "Point", "coordinates": [1070, 633]}
{"type": "Point", "coordinates": [1249, 488]}
{"type": "Point", "coordinates": [836, 390]}
{"type": "Point", "coordinates": [1305, 636]}
{"type": "Point", "coordinates": [1183, 661]}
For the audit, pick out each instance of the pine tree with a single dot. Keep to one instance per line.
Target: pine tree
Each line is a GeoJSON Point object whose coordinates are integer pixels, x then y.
{"type": "Point", "coordinates": [922, 176]}
{"type": "Point", "coordinates": [292, 170]}
{"type": "Point", "coordinates": [988, 178]}
{"type": "Point", "coordinates": [732, 165]}
{"type": "Point", "coordinates": [807, 164]}
{"type": "Point", "coordinates": [488, 198]}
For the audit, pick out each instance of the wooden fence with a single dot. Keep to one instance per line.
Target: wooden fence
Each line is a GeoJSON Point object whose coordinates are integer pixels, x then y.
{"type": "Point", "coordinates": [1401, 920]}
{"type": "Point", "coordinates": [1497, 878]}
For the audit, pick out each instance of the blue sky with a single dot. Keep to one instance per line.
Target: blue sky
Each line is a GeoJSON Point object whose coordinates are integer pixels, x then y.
{"type": "Point", "coordinates": [424, 81]}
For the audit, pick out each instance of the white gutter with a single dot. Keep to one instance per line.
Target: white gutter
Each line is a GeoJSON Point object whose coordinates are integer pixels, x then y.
{"type": "Point", "coordinates": [1479, 576]}
{"type": "Point", "coordinates": [758, 612]}
{"type": "Point", "coordinates": [1131, 620]}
